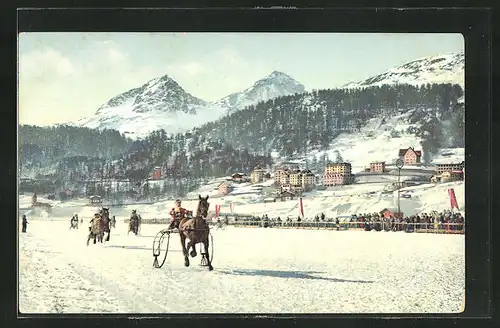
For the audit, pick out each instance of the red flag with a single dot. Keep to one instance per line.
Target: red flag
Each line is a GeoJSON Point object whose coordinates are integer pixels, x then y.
{"type": "Point", "coordinates": [301, 208]}
{"type": "Point", "coordinates": [453, 199]}
{"type": "Point", "coordinates": [231, 207]}
{"type": "Point", "coordinates": [217, 209]}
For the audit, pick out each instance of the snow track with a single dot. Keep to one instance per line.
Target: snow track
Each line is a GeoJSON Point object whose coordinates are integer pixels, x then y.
{"type": "Point", "coordinates": [256, 270]}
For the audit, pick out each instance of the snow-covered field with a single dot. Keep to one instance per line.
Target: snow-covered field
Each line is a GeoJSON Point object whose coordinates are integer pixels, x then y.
{"type": "Point", "coordinates": [256, 271]}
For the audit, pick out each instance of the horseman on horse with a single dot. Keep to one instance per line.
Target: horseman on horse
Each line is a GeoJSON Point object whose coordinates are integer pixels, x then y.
{"type": "Point", "coordinates": [74, 222]}
{"type": "Point", "coordinates": [105, 222]}
{"type": "Point", "coordinates": [178, 213]}
{"type": "Point", "coordinates": [99, 225]}
{"type": "Point", "coordinates": [134, 223]}
{"type": "Point", "coordinates": [95, 229]}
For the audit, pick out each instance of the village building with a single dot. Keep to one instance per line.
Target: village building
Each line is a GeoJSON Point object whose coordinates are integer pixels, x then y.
{"type": "Point", "coordinates": [308, 180]}
{"type": "Point", "coordinates": [225, 188]}
{"type": "Point", "coordinates": [291, 188]}
{"type": "Point", "coordinates": [410, 156]}
{"type": "Point", "coordinates": [338, 174]}
{"type": "Point", "coordinates": [377, 167]}
{"type": "Point", "coordinates": [338, 168]}
{"type": "Point", "coordinates": [337, 179]}
{"type": "Point", "coordinates": [258, 175]}
{"type": "Point", "coordinates": [450, 167]}
{"type": "Point", "coordinates": [286, 195]}
{"type": "Point", "coordinates": [95, 199]}
{"type": "Point", "coordinates": [157, 173]}
{"type": "Point", "coordinates": [449, 176]}
{"type": "Point", "coordinates": [285, 178]}
{"type": "Point", "coordinates": [282, 176]}
{"type": "Point", "coordinates": [296, 178]}
{"type": "Point", "coordinates": [239, 177]}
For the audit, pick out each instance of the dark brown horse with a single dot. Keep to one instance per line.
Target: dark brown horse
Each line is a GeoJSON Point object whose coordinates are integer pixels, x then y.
{"type": "Point", "coordinates": [96, 230]}
{"type": "Point", "coordinates": [196, 230]}
{"type": "Point", "coordinates": [133, 224]}
{"type": "Point", "coordinates": [100, 225]}
{"type": "Point", "coordinates": [105, 222]}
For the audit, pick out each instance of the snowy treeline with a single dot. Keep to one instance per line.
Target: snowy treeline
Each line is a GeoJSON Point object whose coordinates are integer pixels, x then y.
{"type": "Point", "coordinates": [290, 124]}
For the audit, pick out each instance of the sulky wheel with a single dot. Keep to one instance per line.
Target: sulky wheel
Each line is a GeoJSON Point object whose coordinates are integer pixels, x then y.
{"type": "Point", "coordinates": [204, 261]}
{"type": "Point", "coordinates": [160, 244]}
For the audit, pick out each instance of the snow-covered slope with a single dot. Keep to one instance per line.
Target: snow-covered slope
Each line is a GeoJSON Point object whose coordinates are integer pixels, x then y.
{"type": "Point", "coordinates": [162, 103]}
{"type": "Point", "coordinates": [277, 84]}
{"type": "Point", "coordinates": [445, 68]}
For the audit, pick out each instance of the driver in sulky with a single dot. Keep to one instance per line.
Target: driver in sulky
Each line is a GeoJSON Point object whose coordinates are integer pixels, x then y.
{"type": "Point", "coordinates": [178, 213]}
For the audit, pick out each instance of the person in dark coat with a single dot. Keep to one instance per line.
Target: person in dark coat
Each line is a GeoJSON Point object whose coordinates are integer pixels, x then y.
{"type": "Point", "coordinates": [25, 223]}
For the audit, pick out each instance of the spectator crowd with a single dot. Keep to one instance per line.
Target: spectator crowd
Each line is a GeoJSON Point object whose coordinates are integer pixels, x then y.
{"type": "Point", "coordinates": [444, 221]}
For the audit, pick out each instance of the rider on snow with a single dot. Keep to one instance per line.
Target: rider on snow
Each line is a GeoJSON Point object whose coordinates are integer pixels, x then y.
{"type": "Point", "coordinates": [178, 213]}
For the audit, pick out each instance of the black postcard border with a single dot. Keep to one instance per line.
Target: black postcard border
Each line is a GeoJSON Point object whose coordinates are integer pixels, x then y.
{"type": "Point", "coordinates": [473, 23]}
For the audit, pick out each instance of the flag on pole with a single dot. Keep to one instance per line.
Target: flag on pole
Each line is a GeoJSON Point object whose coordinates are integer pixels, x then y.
{"type": "Point", "coordinates": [453, 199]}
{"type": "Point", "coordinates": [301, 208]}
{"type": "Point", "coordinates": [231, 207]}
{"type": "Point", "coordinates": [217, 210]}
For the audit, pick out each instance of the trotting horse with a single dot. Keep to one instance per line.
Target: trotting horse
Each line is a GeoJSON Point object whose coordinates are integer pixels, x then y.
{"type": "Point", "coordinates": [196, 230]}
{"type": "Point", "coordinates": [133, 224]}
{"type": "Point", "coordinates": [96, 230]}
{"type": "Point", "coordinates": [105, 222]}
{"type": "Point", "coordinates": [73, 223]}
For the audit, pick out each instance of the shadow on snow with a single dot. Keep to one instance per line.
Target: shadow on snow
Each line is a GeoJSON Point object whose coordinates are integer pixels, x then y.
{"type": "Point", "coordinates": [147, 248]}
{"type": "Point", "coordinates": [289, 274]}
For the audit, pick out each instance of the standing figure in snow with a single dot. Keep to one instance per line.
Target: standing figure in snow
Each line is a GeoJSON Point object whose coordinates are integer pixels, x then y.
{"type": "Point", "coordinates": [178, 213]}
{"type": "Point", "coordinates": [25, 223]}
{"type": "Point", "coordinates": [134, 222]}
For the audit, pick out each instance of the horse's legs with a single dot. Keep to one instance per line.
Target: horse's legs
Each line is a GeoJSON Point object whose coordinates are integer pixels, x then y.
{"type": "Point", "coordinates": [191, 245]}
{"type": "Point", "coordinates": [109, 234]}
{"type": "Point", "coordinates": [88, 238]}
{"type": "Point", "coordinates": [184, 250]}
{"type": "Point", "coordinates": [206, 244]}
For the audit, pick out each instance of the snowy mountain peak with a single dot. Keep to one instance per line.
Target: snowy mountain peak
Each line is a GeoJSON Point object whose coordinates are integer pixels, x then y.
{"type": "Point", "coordinates": [276, 84]}
{"type": "Point", "coordinates": [281, 79]}
{"type": "Point", "coordinates": [161, 103]}
{"type": "Point", "coordinates": [444, 68]}
{"type": "Point", "coordinates": [159, 94]}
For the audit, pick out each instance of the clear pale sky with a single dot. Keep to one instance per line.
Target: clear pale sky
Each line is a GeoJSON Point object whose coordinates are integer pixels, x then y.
{"type": "Point", "coordinates": [67, 76]}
